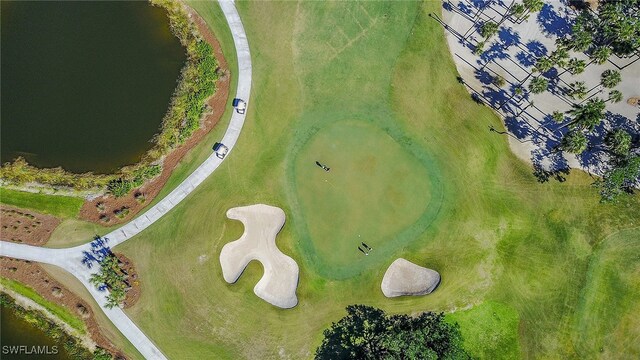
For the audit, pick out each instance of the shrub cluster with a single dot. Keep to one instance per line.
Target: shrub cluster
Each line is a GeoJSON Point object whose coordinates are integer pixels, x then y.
{"type": "Point", "coordinates": [197, 83]}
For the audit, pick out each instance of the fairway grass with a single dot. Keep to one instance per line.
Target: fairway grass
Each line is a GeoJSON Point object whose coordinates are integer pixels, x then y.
{"type": "Point", "coordinates": [499, 237]}
{"type": "Point", "coordinates": [56, 205]}
{"type": "Point", "coordinates": [607, 318]}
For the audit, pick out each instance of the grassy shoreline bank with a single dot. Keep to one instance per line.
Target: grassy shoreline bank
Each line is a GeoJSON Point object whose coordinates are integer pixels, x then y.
{"type": "Point", "coordinates": [187, 107]}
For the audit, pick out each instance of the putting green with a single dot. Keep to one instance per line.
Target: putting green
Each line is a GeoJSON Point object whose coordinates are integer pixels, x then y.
{"type": "Point", "coordinates": [376, 192]}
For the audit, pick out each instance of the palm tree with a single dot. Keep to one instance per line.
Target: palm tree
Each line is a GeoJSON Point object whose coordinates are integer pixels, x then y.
{"type": "Point", "coordinates": [619, 142]}
{"type": "Point", "coordinates": [588, 115]}
{"type": "Point", "coordinates": [543, 64]}
{"type": "Point", "coordinates": [533, 5]}
{"type": "Point", "coordinates": [488, 29]}
{"type": "Point", "coordinates": [574, 142]}
{"type": "Point", "coordinates": [538, 85]}
{"type": "Point", "coordinates": [615, 96]}
{"type": "Point", "coordinates": [576, 66]}
{"type": "Point", "coordinates": [517, 10]}
{"type": "Point", "coordinates": [577, 90]}
{"type": "Point", "coordinates": [610, 78]}
{"type": "Point", "coordinates": [557, 116]}
{"type": "Point", "coordinates": [582, 40]}
{"type": "Point", "coordinates": [601, 54]}
{"type": "Point", "coordinates": [560, 56]}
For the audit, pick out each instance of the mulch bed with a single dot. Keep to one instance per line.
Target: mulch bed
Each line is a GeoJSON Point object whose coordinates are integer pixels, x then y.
{"type": "Point", "coordinates": [26, 226]}
{"type": "Point", "coordinates": [217, 103]}
{"type": "Point", "coordinates": [37, 278]}
{"type": "Point", "coordinates": [133, 294]}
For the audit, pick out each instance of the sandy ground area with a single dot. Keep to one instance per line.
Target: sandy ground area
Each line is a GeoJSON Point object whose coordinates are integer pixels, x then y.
{"type": "Point", "coordinates": [406, 278]}
{"type": "Point", "coordinates": [258, 242]}
{"type": "Point", "coordinates": [511, 54]}
{"type": "Point", "coordinates": [217, 103]}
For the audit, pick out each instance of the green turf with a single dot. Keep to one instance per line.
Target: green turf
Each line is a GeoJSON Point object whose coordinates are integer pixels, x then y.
{"type": "Point", "coordinates": [499, 237]}
{"type": "Point", "coordinates": [490, 330]}
{"type": "Point", "coordinates": [62, 206]}
{"type": "Point", "coordinates": [55, 309]}
{"type": "Point", "coordinates": [607, 319]}
{"type": "Point", "coordinates": [376, 192]}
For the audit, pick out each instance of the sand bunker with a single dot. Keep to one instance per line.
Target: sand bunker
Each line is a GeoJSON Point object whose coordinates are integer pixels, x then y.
{"type": "Point", "coordinates": [406, 278]}
{"type": "Point", "coordinates": [258, 242]}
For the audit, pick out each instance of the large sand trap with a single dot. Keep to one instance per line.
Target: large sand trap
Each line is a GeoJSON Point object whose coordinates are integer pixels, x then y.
{"type": "Point", "coordinates": [258, 242]}
{"type": "Point", "coordinates": [406, 278]}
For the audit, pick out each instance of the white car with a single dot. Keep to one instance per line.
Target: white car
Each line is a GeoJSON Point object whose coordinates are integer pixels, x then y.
{"type": "Point", "coordinates": [221, 150]}
{"type": "Point", "coordinates": [240, 105]}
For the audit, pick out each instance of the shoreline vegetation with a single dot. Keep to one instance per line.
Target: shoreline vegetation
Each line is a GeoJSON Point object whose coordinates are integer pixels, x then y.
{"type": "Point", "coordinates": [71, 344]}
{"type": "Point", "coordinates": [187, 107]}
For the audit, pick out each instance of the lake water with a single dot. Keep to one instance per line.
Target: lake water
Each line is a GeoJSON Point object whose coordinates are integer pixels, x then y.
{"type": "Point", "coordinates": [16, 332]}
{"type": "Point", "coordinates": [84, 85]}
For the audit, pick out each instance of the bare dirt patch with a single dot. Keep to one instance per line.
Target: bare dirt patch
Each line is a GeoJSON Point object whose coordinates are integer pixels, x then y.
{"type": "Point", "coordinates": [105, 209]}
{"type": "Point", "coordinates": [37, 278]}
{"type": "Point", "coordinates": [26, 226]}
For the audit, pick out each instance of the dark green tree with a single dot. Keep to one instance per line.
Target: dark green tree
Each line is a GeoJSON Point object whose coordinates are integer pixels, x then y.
{"type": "Point", "coordinates": [574, 142]}
{"type": "Point", "coordinates": [368, 333]}
{"type": "Point", "coordinates": [538, 85]}
{"type": "Point", "coordinates": [615, 96]}
{"type": "Point", "coordinates": [577, 90]}
{"type": "Point", "coordinates": [588, 115]}
{"type": "Point", "coordinates": [557, 116]}
{"type": "Point", "coordinates": [601, 54]}
{"type": "Point", "coordinates": [488, 29]}
{"type": "Point", "coordinates": [610, 78]}
{"type": "Point", "coordinates": [620, 179]}
{"type": "Point", "coordinates": [576, 66]}
{"type": "Point", "coordinates": [543, 64]}
{"type": "Point", "coordinates": [619, 142]}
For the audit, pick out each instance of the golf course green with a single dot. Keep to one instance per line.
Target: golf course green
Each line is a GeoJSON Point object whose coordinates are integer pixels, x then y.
{"type": "Point", "coordinates": [376, 192]}
{"type": "Point", "coordinates": [369, 89]}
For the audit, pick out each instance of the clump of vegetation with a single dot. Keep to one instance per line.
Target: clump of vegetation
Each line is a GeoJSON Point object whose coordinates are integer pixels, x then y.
{"type": "Point", "coordinates": [122, 212]}
{"type": "Point", "coordinates": [72, 345]}
{"type": "Point", "coordinates": [369, 333]}
{"type": "Point", "coordinates": [113, 278]}
{"type": "Point", "coordinates": [197, 83]}
{"type": "Point", "coordinates": [140, 197]}
{"type": "Point", "coordinates": [20, 172]}
{"type": "Point", "coordinates": [132, 178]}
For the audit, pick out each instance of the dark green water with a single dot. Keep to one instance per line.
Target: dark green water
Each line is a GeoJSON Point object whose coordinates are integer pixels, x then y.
{"type": "Point", "coordinates": [15, 331]}
{"type": "Point", "coordinates": [85, 85]}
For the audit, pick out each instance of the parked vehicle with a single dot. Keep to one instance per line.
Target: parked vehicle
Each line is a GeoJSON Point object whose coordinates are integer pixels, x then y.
{"type": "Point", "coordinates": [240, 105]}
{"type": "Point", "coordinates": [221, 150]}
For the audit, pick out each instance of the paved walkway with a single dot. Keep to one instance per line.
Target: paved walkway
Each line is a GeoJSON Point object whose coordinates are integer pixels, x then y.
{"type": "Point", "coordinates": [71, 259]}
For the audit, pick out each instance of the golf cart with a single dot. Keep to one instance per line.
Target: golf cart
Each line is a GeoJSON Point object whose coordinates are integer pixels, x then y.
{"type": "Point", "coordinates": [240, 105]}
{"type": "Point", "coordinates": [221, 150]}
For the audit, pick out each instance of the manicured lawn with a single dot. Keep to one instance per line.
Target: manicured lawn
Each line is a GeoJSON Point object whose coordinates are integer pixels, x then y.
{"type": "Point", "coordinates": [607, 318]}
{"type": "Point", "coordinates": [502, 242]}
{"type": "Point", "coordinates": [376, 192]}
{"type": "Point", "coordinates": [62, 206]}
{"type": "Point", "coordinates": [490, 330]}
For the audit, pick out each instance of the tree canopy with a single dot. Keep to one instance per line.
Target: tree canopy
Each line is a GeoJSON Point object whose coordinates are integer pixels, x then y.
{"type": "Point", "coordinates": [369, 333]}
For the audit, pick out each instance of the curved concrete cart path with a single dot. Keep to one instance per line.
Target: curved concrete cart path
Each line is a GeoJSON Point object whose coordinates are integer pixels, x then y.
{"type": "Point", "coordinates": [71, 259]}
{"type": "Point", "coordinates": [258, 242]}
